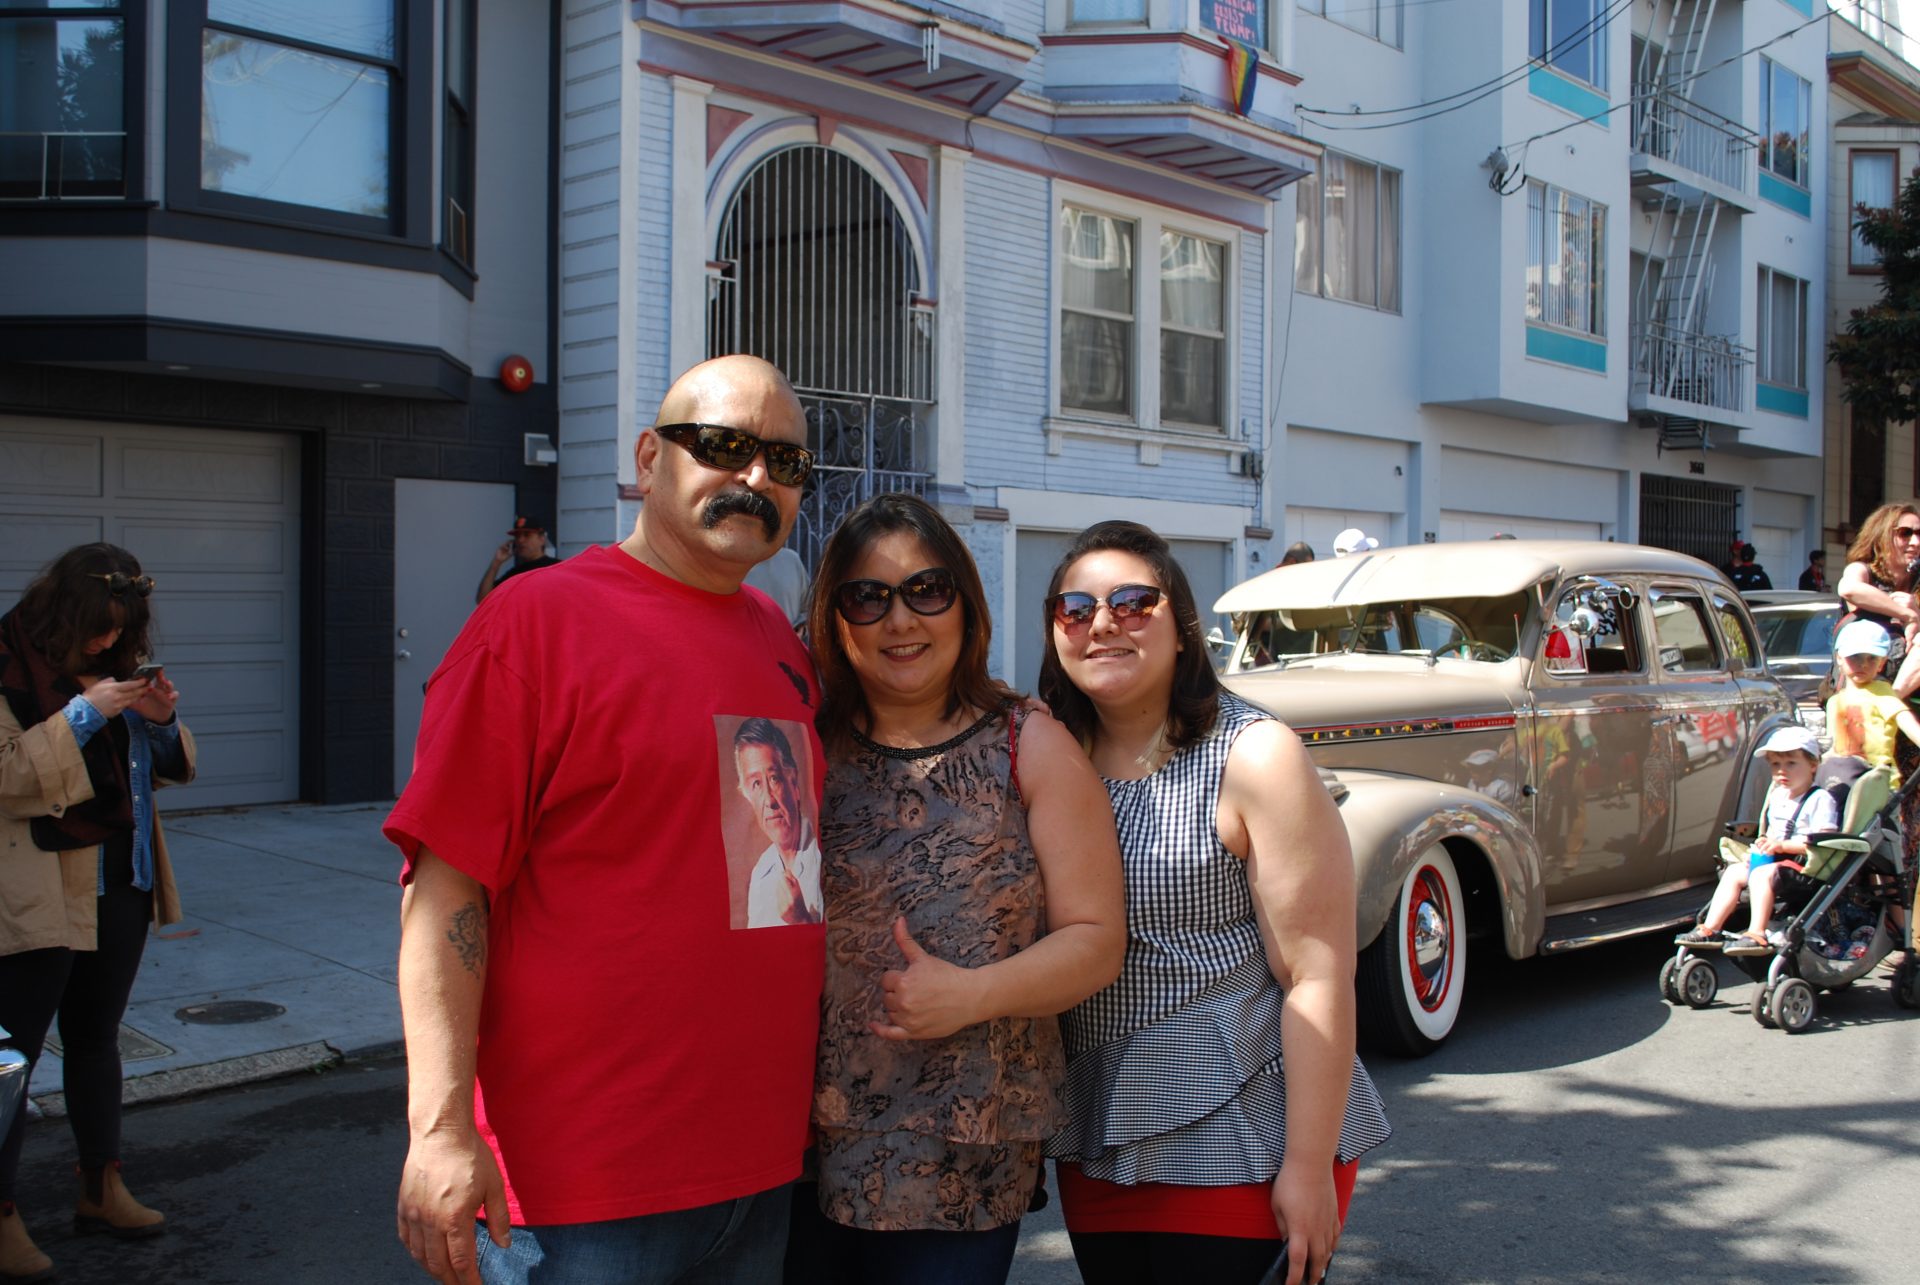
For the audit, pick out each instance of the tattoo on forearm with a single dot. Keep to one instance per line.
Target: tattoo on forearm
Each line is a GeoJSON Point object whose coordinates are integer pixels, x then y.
{"type": "Point", "coordinates": [469, 936]}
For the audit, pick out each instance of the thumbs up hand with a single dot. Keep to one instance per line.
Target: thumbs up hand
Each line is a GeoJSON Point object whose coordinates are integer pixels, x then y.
{"type": "Point", "coordinates": [929, 998]}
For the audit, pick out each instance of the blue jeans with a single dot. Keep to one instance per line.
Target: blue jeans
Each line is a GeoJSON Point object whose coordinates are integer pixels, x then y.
{"type": "Point", "coordinates": [734, 1242]}
{"type": "Point", "coordinates": [822, 1252]}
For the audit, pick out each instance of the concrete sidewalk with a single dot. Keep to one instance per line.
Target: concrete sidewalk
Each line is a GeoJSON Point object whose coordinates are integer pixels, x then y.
{"type": "Point", "coordinates": [296, 907]}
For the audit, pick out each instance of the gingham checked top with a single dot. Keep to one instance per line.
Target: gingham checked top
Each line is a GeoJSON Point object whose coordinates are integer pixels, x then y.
{"type": "Point", "coordinates": [1174, 1071]}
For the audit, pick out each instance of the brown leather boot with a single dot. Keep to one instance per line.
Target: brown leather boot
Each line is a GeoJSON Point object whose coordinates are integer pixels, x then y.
{"type": "Point", "coordinates": [106, 1205]}
{"type": "Point", "coordinates": [20, 1258]}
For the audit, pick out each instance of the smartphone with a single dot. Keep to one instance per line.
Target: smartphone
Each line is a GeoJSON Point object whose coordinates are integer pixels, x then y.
{"type": "Point", "coordinates": [1277, 1274]}
{"type": "Point", "coordinates": [149, 671]}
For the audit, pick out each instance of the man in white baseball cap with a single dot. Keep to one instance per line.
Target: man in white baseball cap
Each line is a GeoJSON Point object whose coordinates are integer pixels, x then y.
{"type": "Point", "coordinates": [1353, 540]}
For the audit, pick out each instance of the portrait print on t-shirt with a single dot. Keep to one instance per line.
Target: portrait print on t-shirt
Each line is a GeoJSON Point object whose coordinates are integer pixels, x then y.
{"type": "Point", "coordinates": [769, 821]}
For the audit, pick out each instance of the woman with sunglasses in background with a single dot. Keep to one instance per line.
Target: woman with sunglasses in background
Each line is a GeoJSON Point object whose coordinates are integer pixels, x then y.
{"type": "Point", "coordinates": [1878, 585]}
{"type": "Point", "coordinates": [972, 889]}
{"type": "Point", "coordinates": [1217, 1109]}
{"type": "Point", "coordinates": [86, 732]}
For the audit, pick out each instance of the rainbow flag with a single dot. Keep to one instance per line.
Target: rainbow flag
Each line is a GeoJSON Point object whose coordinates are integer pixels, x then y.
{"type": "Point", "coordinates": [1243, 74]}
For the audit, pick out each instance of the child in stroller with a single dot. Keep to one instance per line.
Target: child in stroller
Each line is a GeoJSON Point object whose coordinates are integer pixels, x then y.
{"type": "Point", "coordinates": [1839, 914]}
{"type": "Point", "coordinates": [1794, 809]}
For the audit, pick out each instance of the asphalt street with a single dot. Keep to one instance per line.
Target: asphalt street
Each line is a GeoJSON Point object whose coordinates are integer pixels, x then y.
{"type": "Point", "coordinates": [1577, 1129]}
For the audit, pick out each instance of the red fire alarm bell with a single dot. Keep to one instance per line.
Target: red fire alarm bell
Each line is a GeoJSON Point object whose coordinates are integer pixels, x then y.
{"type": "Point", "coordinates": [516, 374]}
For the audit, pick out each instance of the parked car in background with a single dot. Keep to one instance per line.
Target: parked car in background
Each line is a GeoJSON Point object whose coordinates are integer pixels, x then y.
{"type": "Point", "coordinates": [1536, 742]}
{"type": "Point", "coordinates": [1796, 635]}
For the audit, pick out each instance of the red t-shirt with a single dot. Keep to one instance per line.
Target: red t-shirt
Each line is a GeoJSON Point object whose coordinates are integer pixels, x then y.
{"type": "Point", "coordinates": [642, 1047]}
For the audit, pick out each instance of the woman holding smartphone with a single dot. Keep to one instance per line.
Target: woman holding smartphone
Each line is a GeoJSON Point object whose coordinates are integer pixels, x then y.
{"type": "Point", "coordinates": [86, 733]}
{"type": "Point", "coordinates": [1217, 1110]}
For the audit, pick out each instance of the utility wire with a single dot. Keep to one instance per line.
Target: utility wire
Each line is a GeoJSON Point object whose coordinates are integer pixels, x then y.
{"type": "Point", "coordinates": [1487, 91]}
{"type": "Point", "coordinates": [1580, 33]}
{"type": "Point", "coordinates": [1684, 80]}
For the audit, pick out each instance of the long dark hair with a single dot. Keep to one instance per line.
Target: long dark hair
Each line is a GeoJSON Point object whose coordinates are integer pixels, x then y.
{"type": "Point", "coordinates": [842, 699]}
{"type": "Point", "coordinates": [1195, 701]}
{"type": "Point", "coordinates": [69, 604]}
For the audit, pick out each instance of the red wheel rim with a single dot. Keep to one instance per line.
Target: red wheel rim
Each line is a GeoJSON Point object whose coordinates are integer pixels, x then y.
{"type": "Point", "coordinates": [1430, 944]}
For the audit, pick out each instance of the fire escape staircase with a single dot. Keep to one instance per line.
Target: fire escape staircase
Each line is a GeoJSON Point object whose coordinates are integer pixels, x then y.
{"type": "Point", "coordinates": [1675, 360]}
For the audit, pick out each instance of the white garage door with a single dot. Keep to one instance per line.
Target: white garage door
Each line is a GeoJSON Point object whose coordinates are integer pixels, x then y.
{"type": "Point", "coordinates": [215, 519]}
{"type": "Point", "coordinates": [1318, 526]}
{"type": "Point", "coordinates": [1456, 525]}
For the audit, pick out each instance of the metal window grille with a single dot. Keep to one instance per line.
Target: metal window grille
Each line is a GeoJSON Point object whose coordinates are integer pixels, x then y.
{"type": "Point", "coordinates": [815, 273]}
{"type": "Point", "coordinates": [1689, 516]}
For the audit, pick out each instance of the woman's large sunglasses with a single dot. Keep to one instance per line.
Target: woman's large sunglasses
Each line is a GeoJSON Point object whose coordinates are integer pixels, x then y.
{"type": "Point", "coordinates": [867, 602]}
{"type": "Point", "coordinates": [118, 582]}
{"type": "Point", "coordinates": [732, 449]}
{"type": "Point", "coordinates": [1130, 604]}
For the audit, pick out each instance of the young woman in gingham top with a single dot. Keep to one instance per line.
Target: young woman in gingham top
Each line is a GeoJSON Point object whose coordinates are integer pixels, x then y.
{"type": "Point", "coordinates": [1182, 1160]}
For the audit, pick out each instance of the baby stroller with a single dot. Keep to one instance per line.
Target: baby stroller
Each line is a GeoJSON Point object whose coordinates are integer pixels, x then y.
{"type": "Point", "coordinates": [1831, 927]}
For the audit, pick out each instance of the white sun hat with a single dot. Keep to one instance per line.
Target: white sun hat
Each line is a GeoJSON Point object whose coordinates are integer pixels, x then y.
{"type": "Point", "coordinates": [1791, 739]}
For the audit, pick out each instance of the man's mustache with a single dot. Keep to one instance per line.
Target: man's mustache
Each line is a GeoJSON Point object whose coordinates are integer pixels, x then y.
{"type": "Point", "coordinates": [750, 503]}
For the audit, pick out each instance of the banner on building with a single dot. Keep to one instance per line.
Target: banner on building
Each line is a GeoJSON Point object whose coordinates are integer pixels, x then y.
{"type": "Point", "coordinates": [1243, 74]}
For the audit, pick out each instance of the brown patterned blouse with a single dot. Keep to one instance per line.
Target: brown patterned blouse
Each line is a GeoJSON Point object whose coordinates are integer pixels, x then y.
{"type": "Point", "coordinates": [930, 1134]}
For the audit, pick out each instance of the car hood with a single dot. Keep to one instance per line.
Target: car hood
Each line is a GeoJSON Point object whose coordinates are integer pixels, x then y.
{"type": "Point", "coordinates": [1349, 690]}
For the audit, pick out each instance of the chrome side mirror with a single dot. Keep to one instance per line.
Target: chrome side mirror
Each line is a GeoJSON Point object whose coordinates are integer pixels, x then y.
{"type": "Point", "coordinates": [1584, 622]}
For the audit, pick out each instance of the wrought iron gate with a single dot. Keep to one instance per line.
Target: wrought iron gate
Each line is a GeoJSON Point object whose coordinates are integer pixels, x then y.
{"type": "Point", "coordinates": [1679, 513]}
{"type": "Point", "coordinates": [816, 273]}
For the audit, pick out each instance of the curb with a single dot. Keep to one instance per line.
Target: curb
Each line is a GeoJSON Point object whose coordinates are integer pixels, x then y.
{"type": "Point", "coordinates": [185, 1081]}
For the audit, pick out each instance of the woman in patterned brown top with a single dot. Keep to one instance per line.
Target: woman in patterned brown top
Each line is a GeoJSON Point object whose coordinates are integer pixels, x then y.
{"type": "Point", "coordinates": [972, 886]}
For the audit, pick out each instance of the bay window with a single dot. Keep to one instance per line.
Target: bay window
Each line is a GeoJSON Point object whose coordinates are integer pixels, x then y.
{"type": "Point", "coordinates": [63, 130]}
{"type": "Point", "coordinates": [1786, 115]}
{"type": "Point", "coordinates": [1566, 260]}
{"type": "Point", "coordinates": [1151, 348]}
{"type": "Point", "coordinates": [1782, 330]}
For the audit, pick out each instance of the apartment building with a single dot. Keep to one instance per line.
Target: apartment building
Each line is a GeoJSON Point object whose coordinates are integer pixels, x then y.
{"type": "Point", "coordinates": [1558, 274]}
{"type": "Point", "coordinates": [1021, 256]}
{"type": "Point", "coordinates": [262, 264]}
{"type": "Point", "coordinates": [1873, 97]}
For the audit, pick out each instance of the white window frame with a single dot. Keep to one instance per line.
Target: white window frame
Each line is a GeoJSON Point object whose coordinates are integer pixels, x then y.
{"type": "Point", "coordinates": [1803, 175]}
{"type": "Point", "coordinates": [1764, 322]}
{"type": "Point", "coordinates": [1318, 230]}
{"type": "Point", "coordinates": [1385, 20]}
{"type": "Point", "coordinates": [1148, 221]}
{"type": "Point", "coordinates": [1597, 285]}
{"type": "Point", "coordinates": [1596, 40]}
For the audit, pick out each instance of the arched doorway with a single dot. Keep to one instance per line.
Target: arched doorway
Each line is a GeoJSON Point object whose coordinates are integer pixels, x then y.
{"type": "Point", "coordinates": [816, 272]}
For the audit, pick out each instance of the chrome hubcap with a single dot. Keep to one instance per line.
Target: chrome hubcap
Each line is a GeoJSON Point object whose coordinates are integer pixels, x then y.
{"type": "Point", "coordinates": [1430, 939]}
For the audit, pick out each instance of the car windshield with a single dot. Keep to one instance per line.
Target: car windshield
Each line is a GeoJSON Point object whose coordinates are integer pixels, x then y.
{"type": "Point", "coordinates": [1483, 629]}
{"type": "Point", "coordinates": [1796, 631]}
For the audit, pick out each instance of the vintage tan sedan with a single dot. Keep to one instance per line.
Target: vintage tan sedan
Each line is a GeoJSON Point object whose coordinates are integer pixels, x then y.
{"type": "Point", "coordinates": [1535, 741]}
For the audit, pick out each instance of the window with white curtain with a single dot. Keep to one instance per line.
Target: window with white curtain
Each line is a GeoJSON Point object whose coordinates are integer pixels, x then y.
{"type": "Point", "coordinates": [1346, 242]}
{"type": "Point", "coordinates": [1782, 330]}
{"type": "Point", "coordinates": [1097, 312]}
{"type": "Point", "coordinates": [1152, 347]}
{"type": "Point", "coordinates": [1872, 179]}
{"type": "Point", "coordinates": [1786, 114]}
{"type": "Point", "coordinates": [1566, 260]}
{"type": "Point", "coordinates": [1193, 329]}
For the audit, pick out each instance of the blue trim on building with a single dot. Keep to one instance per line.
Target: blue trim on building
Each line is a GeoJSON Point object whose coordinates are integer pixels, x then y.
{"type": "Point", "coordinates": [1787, 196]}
{"type": "Point", "coordinates": [1802, 7]}
{"type": "Point", "coordinates": [1568, 350]}
{"type": "Point", "coordinates": [1568, 95]}
{"type": "Point", "coordinates": [1781, 401]}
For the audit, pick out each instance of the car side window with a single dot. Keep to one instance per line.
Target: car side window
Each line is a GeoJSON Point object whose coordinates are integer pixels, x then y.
{"type": "Point", "coordinates": [1681, 633]}
{"type": "Point", "coordinates": [1733, 628]}
{"type": "Point", "coordinates": [1611, 647]}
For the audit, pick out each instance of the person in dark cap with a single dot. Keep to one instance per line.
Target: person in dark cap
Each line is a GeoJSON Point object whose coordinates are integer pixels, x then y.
{"type": "Point", "coordinates": [1298, 551]}
{"type": "Point", "coordinates": [526, 544]}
